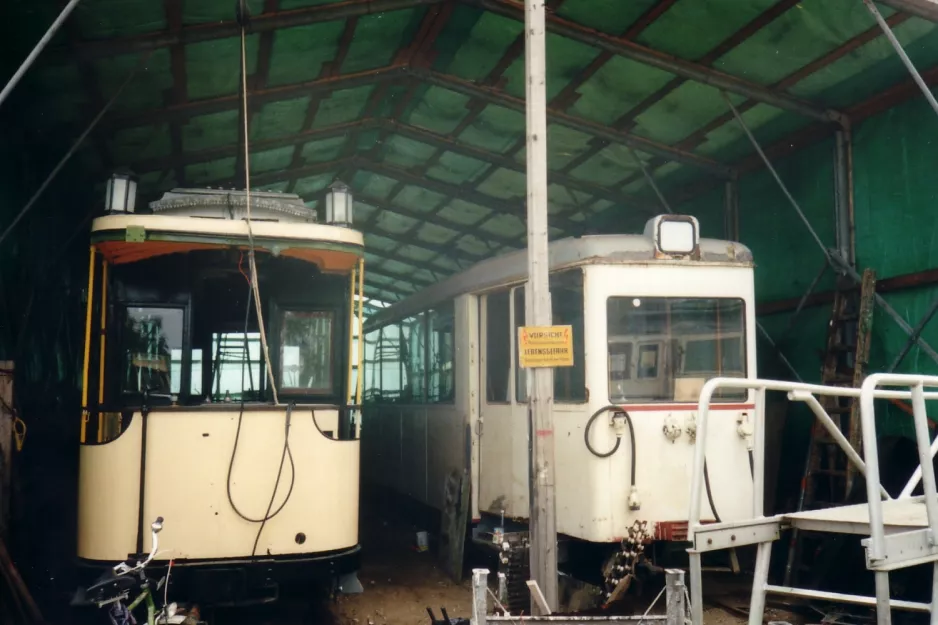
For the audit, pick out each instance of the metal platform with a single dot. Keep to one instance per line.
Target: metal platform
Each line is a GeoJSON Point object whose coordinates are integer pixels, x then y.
{"type": "Point", "coordinates": [899, 515]}
{"type": "Point", "coordinates": [898, 532]}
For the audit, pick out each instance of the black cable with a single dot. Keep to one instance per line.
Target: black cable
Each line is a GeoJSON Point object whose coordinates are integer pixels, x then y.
{"type": "Point", "coordinates": [234, 450]}
{"type": "Point", "coordinates": [628, 420]}
{"type": "Point", "coordinates": [752, 466]}
{"type": "Point", "coordinates": [273, 495]}
{"type": "Point", "coordinates": [716, 516]}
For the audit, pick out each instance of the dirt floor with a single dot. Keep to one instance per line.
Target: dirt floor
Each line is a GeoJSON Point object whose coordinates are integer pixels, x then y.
{"type": "Point", "coordinates": [400, 583]}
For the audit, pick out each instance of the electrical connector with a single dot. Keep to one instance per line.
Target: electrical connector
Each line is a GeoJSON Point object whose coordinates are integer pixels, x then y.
{"type": "Point", "coordinates": [634, 502]}
{"type": "Point", "coordinates": [618, 424]}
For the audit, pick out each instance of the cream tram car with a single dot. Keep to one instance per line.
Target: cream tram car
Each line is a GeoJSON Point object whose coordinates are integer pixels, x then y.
{"type": "Point", "coordinates": [180, 418]}
{"type": "Point", "coordinates": [653, 317]}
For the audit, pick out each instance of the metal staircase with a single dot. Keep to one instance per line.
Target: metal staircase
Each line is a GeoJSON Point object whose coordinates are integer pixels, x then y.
{"type": "Point", "coordinates": [900, 532]}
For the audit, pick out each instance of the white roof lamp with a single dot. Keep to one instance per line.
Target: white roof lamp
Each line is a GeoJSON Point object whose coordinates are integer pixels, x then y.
{"type": "Point", "coordinates": [675, 236]}
{"type": "Point", "coordinates": [121, 193]}
{"type": "Point", "coordinates": [339, 205]}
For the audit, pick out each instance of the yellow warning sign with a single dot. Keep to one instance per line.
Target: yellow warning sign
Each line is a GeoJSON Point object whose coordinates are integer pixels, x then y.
{"type": "Point", "coordinates": [545, 346]}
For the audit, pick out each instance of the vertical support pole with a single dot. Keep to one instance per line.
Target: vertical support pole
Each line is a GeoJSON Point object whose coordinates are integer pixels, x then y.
{"type": "Point", "coordinates": [674, 596]}
{"type": "Point", "coordinates": [696, 591]}
{"type": "Point", "coordinates": [920, 421]}
{"type": "Point", "coordinates": [6, 444]}
{"type": "Point", "coordinates": [102, 346]}
{"type": "Point", "coordinates": [731, 210]}
{"type": "Point", "coordinates": [760, 579]}
{"type": "Point", "coordinates": [85, 413]}
{"type": "Point", "coordinates": [538, 306]}
{"type": "Point", "coordinates": [883, 613]}
{"type": "Point", "coordinates": [359, 380]}
{"type": "Point", "coordinates": [843, 196]}
{"type": "Point", "coordinates": [934, 595]}
{"type": "Point", "coordinates": [349, 391]}
{"type": "Point", "coordinates": [480, 587]}
{"type": "Point", "coordinates": [758, 458]}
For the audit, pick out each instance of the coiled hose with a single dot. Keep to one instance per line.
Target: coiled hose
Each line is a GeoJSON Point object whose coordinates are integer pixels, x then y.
{"type": "Point", "coordinates": [628, 420]}
{"type": "Point", "coordinates": [615, 448]}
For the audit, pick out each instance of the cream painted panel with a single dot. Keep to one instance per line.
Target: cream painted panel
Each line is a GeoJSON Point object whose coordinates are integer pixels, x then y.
{"type": "Point", "coordinates": [188, 455]}
{"type": "Point", "coordinates": [601, 512]}
{"type": "Point", "coordinates": [109, 495]}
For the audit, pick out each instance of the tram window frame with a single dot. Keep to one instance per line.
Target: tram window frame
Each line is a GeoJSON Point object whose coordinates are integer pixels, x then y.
{"type": "Point", "coordinates": [435, 368]}
{"type": "Point", "coordinates": [558, 280]}
{"type": "Point", "coordinates": [336, 336]}
{"type": "Point", "coordinates": [131, 397]}
{"type": "Point", "coordinates": [669, 350]}
{"type": "Point", "coordinates": [498, 368]}
{"type": "Point", "coordinates": [259, 377]}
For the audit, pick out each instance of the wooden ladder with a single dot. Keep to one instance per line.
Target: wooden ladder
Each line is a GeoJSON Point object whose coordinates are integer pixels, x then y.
{"type": "Point", "coordinates": [829, 477]}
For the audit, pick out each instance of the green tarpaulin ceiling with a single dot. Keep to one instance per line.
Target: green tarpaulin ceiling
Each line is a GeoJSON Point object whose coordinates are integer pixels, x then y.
{"type": "Point", "coordinates": [419, 105]}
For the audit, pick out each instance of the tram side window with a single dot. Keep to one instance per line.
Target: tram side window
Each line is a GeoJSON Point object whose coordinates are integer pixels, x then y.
{"type": "Point", "coordinates": [389, 362]}
{"type": "Point", "coordinates": [413, 355]}
{"type": "Point", "coordinates": [665, 349]}
{"type": "Point", "coordinates": [153, 339]}
{"type": "Point", "coordinates": [306, 352]}
{"type": "Point", "coordinates": [370, 383]}
{"type": "Point", "coordinates": [566, 290]}
{"type": "Point", "coordinates": [497, 346]}
{"type": "Point", "coordinates": [441, 361]}
{"type": "Point", "coordinates": [237, 368]}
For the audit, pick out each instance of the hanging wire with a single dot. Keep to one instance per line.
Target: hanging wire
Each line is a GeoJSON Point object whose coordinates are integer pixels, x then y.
{"type": "Point", "coordinates": [252, 263]}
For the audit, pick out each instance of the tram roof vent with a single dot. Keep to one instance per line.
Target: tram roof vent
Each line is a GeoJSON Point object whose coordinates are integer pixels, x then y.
{"type": "Point", "coordinates": [232, 204]}
{"type": "Point", "coordinates": [675, 236]}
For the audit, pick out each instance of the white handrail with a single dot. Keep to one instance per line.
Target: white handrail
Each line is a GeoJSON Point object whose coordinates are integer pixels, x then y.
{"type": "Point", "coordinates": [799, 391]}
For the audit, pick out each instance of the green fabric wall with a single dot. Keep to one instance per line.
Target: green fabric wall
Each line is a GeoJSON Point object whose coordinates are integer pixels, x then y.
{"type": "Point", "coordinates": [895, 193]}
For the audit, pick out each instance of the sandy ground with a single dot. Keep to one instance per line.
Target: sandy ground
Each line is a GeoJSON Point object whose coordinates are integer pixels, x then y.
{"type": "Point", "coordinates": [400, 583]}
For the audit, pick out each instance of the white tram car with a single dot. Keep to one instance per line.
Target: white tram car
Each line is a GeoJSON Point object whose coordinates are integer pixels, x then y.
{"type": "Point", "coordinates": [178, 415]}
{"type": "Point", "coordinates": [653, 317]}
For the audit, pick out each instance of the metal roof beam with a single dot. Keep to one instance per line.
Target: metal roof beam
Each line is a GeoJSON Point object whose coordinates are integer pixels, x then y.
{"type": "Point", "coordinates": [926, 9]}
{"type": "Point", "coordinates": [434, 219]}
{"type": "Point", "coordinates": [257, 98]}
{"type": "Point", "coordinates": [392, 127]}
{"type": "Point", "coordinates": [675, 65]}
{"type": "Point", "coordinates": [445, 143]}
{"type": "Point", "coordinates": [227, 151]}
{"type": "Point", "coordinates": [499, 97]}
{"type": "Point", "coordinates": [498, 205]}
{"type": "Point", "coordinates": [220, 30]}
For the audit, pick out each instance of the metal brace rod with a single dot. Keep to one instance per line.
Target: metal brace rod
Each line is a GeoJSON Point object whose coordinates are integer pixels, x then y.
{"type": "Point", "coordinates": [667, 207]}
{"type": "Point", "coordinates": [916, 333]}
{"type": "Point", "coordinates": [37, 49]}
{"type": "Point", "coordinates": [804, 299]}
{"type": "Point", "coordinates": [902, 55]}
{"type": "Point", "coordinates": [768, 164]}
{"type": "Point", "coordinates": [778, 351]}
{"type": "Point", "coordinates": [651, 180]}
{"type": "Point", "coordinates": [837, 263]}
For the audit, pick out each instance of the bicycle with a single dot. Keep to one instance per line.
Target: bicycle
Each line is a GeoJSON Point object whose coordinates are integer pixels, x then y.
{"type": "Point", "coordinates": [115, 586]}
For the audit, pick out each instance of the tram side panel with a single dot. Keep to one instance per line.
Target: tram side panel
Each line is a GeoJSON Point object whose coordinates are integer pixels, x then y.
{"type": "Point", "coordinates": [414, 447]}
{"type": "Point", "coordinates": [663, 430]}
{"type": "Point", "coordinates": [188, 454]}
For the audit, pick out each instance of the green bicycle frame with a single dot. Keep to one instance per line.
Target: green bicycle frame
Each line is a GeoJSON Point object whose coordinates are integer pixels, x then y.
{"type": "Point", "coordinates": [147, 596]}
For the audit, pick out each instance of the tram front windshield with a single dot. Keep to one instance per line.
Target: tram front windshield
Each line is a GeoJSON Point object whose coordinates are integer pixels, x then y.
{"type": "Point", "coordinates": [663, 349]}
